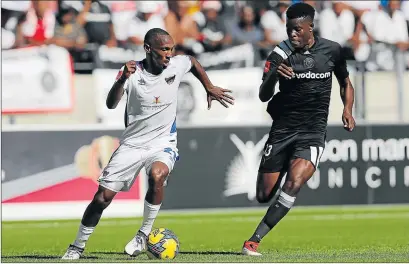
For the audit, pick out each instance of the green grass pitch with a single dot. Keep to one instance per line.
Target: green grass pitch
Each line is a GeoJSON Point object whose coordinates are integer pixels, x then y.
{"type": "Point", "coordinates": [313, 234]}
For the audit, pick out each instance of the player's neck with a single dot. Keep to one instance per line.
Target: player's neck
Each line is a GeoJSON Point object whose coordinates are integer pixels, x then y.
{"type": "Point", "coordinates": [150, 68]}
{"type": "Point", "coordinates": [311, 43]}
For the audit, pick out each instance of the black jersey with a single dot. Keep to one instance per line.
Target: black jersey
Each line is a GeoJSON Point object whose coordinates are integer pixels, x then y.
{"type": "Point", "coordinates": [302, 103]}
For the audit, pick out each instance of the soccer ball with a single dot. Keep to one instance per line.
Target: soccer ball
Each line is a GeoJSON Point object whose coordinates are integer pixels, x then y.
{"type": "Point", "coordinates": [162, 244]}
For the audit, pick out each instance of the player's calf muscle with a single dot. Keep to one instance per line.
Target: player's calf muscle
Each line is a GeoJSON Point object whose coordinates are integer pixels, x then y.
{"type": "Point", "coordinates": [156, 183]}
{"type": "Point", "coordinates": [292, 187]}
{"type": "Point", "coordinates": [99, 203]}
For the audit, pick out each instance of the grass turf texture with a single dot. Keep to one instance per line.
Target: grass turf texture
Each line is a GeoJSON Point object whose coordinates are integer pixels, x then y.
{"type": "Point", "coordinates": [330, 234]}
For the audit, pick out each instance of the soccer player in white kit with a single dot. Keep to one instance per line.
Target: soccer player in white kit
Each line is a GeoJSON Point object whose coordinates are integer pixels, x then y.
{"type": "Point", "coordinates": [150, 137]}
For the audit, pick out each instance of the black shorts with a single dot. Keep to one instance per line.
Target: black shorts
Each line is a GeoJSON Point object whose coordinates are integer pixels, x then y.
{"type": "Point", "coordinates": [279, 150]}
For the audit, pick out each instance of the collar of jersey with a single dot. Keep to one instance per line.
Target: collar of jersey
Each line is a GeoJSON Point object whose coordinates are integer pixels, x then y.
{"type": "Point", "coordinates": [140, 64]}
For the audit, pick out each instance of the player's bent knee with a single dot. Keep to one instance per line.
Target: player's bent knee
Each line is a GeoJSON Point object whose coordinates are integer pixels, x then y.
{"type": "Point", "coordinates": [103, 197]}
{"type": "Point", "coordinates": [102, 201]}
{"type": "Point", "coordinates": [158, 176]}
{"type": "Point", "coordinates": [262, 197]}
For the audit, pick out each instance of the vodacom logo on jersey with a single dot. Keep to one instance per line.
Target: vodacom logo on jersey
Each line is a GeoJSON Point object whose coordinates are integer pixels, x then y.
{"type": "Point", "coordinates": [313, 75]}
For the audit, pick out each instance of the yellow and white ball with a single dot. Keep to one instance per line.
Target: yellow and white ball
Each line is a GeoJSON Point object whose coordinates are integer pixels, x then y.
{"type": "Point", "coordinates": [162, 244]}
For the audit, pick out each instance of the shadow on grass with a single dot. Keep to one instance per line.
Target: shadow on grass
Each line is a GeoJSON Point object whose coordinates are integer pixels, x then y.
{"type": "Point", "coordinates": [106, 253]}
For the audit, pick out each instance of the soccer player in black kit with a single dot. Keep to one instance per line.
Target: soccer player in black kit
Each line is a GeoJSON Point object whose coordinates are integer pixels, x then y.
{"type": "Point", "coordinates": [303, 66]}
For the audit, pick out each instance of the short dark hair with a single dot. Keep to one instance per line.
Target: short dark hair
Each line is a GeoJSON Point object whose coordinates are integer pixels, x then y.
{"type": "Point", "coordinates": [153, 33]}
{"type": "Point", "coordinates": [301, 10]}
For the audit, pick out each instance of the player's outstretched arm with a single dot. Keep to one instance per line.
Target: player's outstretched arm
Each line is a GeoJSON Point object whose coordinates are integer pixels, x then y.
{"type": "Point", "coordinates": [117, 90]}
{"type": "Point", "coordinates": [213, 92]}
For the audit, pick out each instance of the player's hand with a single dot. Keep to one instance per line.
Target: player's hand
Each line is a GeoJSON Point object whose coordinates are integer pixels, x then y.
{"type": "Point", "coordinates": [220, 95]}
{"type": "Point", "coordinates": [111, 43]}
{"type": "Point", "coordinates": [348, 120]}
{"type": "Point", "coordinates": [129, 68]}
{"type": "Point", "coordinates": [285, 71]}
{"type": "Point", "coordinates": [401, 45]}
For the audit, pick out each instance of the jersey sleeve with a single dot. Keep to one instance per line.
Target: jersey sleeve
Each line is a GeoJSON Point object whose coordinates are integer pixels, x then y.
{"type": "Point", "coordinates": [272, 62]}
{"type": "Point", "coordinates": [280, 53]}
{"type": "Point", "coordinates": [184, 63]}
{"type": "Point", "coordinates": [120, 72]}
{"type": "Point", "coordinates": [340, 68]}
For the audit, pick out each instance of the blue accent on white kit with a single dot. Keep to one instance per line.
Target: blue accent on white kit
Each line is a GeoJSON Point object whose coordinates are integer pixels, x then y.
{"type": "Point", "coordinates": [173, 129]}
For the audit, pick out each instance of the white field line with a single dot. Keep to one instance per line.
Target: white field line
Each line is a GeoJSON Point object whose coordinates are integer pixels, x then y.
{"type": "Point", "coordinates": [201, 220]}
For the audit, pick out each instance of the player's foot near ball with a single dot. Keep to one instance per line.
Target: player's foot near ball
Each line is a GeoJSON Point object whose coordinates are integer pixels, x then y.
{"type": "Point", "coordinates": [250, 248]}
{"type": "Point", "coordinates": [73, 253]}
{"type": "Point", "coordinates": [137, 245]}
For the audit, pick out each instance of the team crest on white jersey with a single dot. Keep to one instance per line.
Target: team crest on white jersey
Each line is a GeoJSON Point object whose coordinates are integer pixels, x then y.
{"type": "Point", "coordinates": [170, 79]}
{"type": "Point", "coordinates": [241, 177]}
{"type": "Point", "coordinates": [141, 81]}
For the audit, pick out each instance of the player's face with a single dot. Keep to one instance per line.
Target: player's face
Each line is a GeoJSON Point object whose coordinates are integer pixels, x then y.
{"type": "Point", "coordinates": [248, 15]}
{"type": "Point", "coordinates": [161, 51]}
{"type": "Point", "coordinates": [299, 32]}
{"type": "Point", "coordinates": [40, 7]}
{"type": "Point", "coordinates": [394, 5]}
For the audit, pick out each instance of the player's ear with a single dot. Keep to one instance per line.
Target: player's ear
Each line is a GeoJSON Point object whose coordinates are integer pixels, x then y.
{"type": "Point", "coordinates": [312, 26]}
{"type": "Point", "coordinates": [147, 48]}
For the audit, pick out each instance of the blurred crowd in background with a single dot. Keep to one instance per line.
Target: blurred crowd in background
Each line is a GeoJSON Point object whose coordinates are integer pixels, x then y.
{"type": "Point", "coordinates": [198, 26]}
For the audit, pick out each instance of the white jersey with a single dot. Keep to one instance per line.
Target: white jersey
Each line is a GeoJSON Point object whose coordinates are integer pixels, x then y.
{"type": "Point", "coordinates": [150, 113]}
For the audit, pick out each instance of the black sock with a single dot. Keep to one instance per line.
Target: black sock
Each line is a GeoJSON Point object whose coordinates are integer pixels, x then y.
{"type": "Point", "coordinates": [261, 230]}
{"type": "Point", "coordinates": [274, 214]}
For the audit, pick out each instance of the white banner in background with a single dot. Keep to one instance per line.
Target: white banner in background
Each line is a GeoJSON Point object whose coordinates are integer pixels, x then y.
{"type": "Point", "coordinates": [37, 79]}
{"type": "Point", "coordinates": [192, 103]}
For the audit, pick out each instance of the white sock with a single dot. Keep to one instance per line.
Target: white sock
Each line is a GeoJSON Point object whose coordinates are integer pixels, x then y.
{"type": "Point", "coordinates": [286, 200]}
{"type": "Point", "coordinates": [83, 235]}
{"type": "Point", "coordinates": [150, 211]}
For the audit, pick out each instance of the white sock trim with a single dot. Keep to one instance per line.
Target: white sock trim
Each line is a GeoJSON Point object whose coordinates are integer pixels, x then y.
{"type": "Point", "coordinates": [286, 200]}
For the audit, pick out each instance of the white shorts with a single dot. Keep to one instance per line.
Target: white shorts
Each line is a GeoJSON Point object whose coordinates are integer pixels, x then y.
{"type": "Point", "coordinates": [126, 163]}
